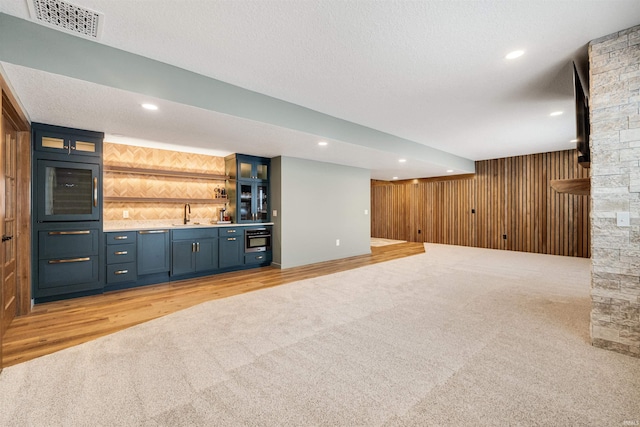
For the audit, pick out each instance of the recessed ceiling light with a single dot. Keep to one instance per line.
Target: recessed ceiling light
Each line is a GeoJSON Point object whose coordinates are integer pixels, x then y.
{"type": "Point", "coordinates": [395, 177]}
{"type": "Point", "coordinates": [149, 107]}
{"type": "Point", "coordinates": [402, 160]}
{"type": "Point", "coordinates": [556, 113]}
{"type": "Point", "coordinates": [515, 54]}
{"type": "Point", "coordinates": [449, 170]}
{"type": "Point", "coordinates": [323, 143]}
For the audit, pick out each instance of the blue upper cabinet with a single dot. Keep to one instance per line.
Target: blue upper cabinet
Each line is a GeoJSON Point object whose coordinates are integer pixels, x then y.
{"type": "Point", "coordinates": [247, 168]}
{"type": "Point", "coordinates": [248, 187]}
{"type": "Point", "coordinates": [66, 141]}
{"type": "Point", "coordinates": [253, 168]}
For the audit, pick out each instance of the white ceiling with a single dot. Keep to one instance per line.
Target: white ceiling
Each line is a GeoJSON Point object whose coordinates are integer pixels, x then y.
{"type": "Point", "coordinates": [429, 71]}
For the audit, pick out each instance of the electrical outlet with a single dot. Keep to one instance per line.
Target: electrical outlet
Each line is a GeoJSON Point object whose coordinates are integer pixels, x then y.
{"type": "Point", "coordinates": [419, 231]}
{"type": "Point", "coordinates": [274, 213]}
{"type": "Point", "coordinates": [125, 214]}
{"type": "Point", "coordinates": [622, 219]}
{"type": "Point", "coordinates": [504, 236]}
{"type": "Point", "coordinates": [337, 242]}
{"type": "Point", "coordinates": [366, 211]}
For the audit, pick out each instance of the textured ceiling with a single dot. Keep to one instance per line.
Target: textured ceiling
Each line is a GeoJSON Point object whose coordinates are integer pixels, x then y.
{"type": "Point", "coordinates": [432, 72]}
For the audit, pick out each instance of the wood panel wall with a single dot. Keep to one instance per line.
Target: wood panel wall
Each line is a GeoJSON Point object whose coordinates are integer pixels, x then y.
{"type": "Point", "coordinates": [509, 197]}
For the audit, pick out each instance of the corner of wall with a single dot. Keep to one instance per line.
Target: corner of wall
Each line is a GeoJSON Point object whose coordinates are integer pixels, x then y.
{"type": "Point", "coordinates": [275, 183]}
{"type": "Point", "coordinates": [615, 188]}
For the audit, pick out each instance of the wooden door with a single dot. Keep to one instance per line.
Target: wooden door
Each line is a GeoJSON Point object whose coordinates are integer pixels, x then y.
{"type": "Point", "coordinates": [8, 207]}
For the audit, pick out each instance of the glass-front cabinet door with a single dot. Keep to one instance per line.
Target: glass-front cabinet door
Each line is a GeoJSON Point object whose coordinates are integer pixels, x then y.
{"type": "Point", "coordinates": [68, 191]}
{"type": "Point", "coordinates": [245, 170]}
{"type": "Point", "coordinates": [262, 171]}
{"type": "Point", "coordinates": [248, 187]}
{"type": "Point", "coordinates": [246, 202]}
{"type": "Point", "coordinates": [253, 202]}
{"type": "Point", "coordinates": [261, 209]}
{"type": "Point", "coordinates": [253, 169]}
{"type": "Point", "coordinates": [59, 142]}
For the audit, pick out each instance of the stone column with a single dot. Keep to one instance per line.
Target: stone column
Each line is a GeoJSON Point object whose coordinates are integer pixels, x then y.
{"type": "Point", "coordinates": [615, 187]}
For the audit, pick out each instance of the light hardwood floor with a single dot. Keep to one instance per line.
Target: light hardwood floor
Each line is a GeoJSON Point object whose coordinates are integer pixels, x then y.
{"type": "Point", "coordinates": [57, 325]}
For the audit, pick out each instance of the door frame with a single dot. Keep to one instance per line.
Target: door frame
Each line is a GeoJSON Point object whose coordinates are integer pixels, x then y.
{"type": "Point", "coordinates": [13, 112]}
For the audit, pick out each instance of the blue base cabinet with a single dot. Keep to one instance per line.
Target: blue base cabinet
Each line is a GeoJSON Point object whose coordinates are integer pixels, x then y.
{"type": "Point", "coordinates": [147, 257]}
{"type": "Point", "coordinates": [183, 260]}
{"type": "Point", "coordinates": [194, 251]}
{"type": "Point", "coordinates": [67, 275]}
{"type": "Point", "coordinates": [231, 247]}
{"type": "Point", "coordinates": [153, 252]}
{"type": "Point", "coordinates": [256, 258]}
{"type": "Point", "coordinates": [121, 258]}
{"type": "Point", "coordinates": [206, 255]}
{"type": "Point", "coordinates": [68, 260]}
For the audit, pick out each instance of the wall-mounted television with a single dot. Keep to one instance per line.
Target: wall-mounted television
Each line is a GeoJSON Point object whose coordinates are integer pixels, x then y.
{"type": "Point", "coordinates": [583, 128]}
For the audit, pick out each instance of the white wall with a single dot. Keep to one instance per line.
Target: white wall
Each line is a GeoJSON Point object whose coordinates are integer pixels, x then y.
{"type": "Point", "coordinates": [317, 204]}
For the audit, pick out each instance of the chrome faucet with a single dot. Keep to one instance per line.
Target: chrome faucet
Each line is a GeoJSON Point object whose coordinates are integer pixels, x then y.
{"type": "Point", "coordinates": [187, 213]}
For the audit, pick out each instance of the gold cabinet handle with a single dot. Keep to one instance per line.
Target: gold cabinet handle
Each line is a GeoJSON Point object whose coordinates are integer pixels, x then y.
{"type": "Point", "coordinates": [231, 231]}
{"type": "Point", "coordinates": [259, 257]}
{"type": "Point", "coordinates": [121, 238]}
{"type": "Point", "coordinates": [153, 231]}
{"type": "Point", "coordinates": [64, 261]}
{"type": "Point", "coordinates": [121, 252]}
{"type": "Point", "coordinates": [95, 192]}
{"type": "Point", "coordinates": [121, 272]}
{"type": "Point", "coordinates": [65, 233]}
{"type": "Point", "coordinates": [231, 239]}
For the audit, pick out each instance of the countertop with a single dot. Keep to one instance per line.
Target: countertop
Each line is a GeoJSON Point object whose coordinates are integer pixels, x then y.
{"type": "Point", "coordinates": [168, 224]}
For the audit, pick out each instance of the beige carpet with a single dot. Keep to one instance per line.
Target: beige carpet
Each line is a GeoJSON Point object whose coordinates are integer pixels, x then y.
{"type": "Point", "coordinates": [456, 336]}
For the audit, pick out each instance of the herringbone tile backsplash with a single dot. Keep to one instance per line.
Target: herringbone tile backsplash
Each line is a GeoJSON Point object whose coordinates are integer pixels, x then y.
{"type": "Point", "coordinates": [136, 185]}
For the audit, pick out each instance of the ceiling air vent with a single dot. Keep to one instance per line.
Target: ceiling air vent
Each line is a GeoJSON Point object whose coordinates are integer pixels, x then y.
{"type": "Point", "coordinates": [68, 17]}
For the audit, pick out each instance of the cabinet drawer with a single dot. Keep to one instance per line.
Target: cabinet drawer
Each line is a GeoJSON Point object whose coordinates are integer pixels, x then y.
{"type": "Point", "coordinates": [121, 253]}
{"type": "Point", "coordinates": [196, 233]}
{"type": "Point", "coordinates": [117, 238]}
{"type": "Point", "coordinates": [118, 273]}
{"type": "Point", "coordinates": [231, 232]}
{"type": "Point", "coordinates": [64, 272]}
{"type": "Point", "coordinates": [257, 258]}
{"type": "Point", "coordinates": [68, 243]}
